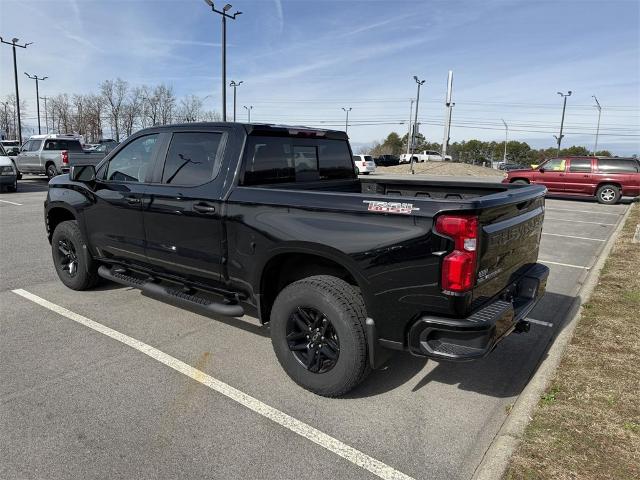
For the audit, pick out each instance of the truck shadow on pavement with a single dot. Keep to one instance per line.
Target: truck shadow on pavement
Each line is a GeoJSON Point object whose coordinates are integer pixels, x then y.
{"type": "Point", "coordinates": [503, 373]}
{"type": "Point", "coordinates": [33, 183]}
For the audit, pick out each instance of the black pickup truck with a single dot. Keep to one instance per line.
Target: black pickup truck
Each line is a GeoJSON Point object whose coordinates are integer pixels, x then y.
{"type": "Point", "coordinates": [272, 221]}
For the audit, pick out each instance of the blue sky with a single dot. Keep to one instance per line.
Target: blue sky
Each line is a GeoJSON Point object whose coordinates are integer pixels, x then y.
{"type": "Point", "coordinates": [303, 60]}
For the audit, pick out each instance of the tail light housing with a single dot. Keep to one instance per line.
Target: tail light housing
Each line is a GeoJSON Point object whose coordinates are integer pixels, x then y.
{"type": "Point", "coordinates": [64, 155]}
{"type": "Point", "coordinates": [459, 266]}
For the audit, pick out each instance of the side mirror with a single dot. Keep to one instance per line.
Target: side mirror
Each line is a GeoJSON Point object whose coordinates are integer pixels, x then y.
{"type": "Point", "coordinates": [541, 170]}
{"type": "Point", "coordinates": [82, 173]}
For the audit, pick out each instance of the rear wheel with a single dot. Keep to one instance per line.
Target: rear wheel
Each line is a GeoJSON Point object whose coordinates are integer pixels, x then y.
{"type": "Point", "coordinates": [52, 171]}
{"type": "Point", "coordinates": [608, 194]}
{"type": "Point", "coordinates": [73, 263]}
{"type": "Point", "coordinates": [520, 181]}
{"type": "Point", "coordinates": [317, 333]}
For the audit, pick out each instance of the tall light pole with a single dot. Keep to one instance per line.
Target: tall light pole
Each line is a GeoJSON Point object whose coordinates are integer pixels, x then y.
{"type": "Point", "coordinates": [595, 148]}
{"type": "Point", "coordinates": [46, 116]}
{"type": "Point", "coordinates": [235, 85]}
{"type": "Point", "coordinates": [346, 123]}
{"type": "Point", "coordinates": [506, 140]}
{"type": "Point", "coordinates": [564, 107]}
{"type": "Point", "coordinates": [415, 121]}
{"type": "Point", "coordinates": [224, 15]}
{"type": "Point", "coordinates": [14, 43]}
{"type": "Point", "coordinates": [37, 79]}
{"type": "Point", "coordinates": [409, 132]}
{"type": "Point", "coordinates": [248, 109]}
{"type": "Point", "coordinates": [447, 121]}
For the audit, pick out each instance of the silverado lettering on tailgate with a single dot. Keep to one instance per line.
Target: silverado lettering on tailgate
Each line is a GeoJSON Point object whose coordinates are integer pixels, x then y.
{"type": "Point", "coordinates": [516, 232]}
{"type": "Point", "coordinates": [390, 207]}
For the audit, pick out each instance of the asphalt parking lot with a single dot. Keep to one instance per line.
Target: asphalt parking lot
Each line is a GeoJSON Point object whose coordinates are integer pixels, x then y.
{"type": "Point", "coordinates": [77, 401]}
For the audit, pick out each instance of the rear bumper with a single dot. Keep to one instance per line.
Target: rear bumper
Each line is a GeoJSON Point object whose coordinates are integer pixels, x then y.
{"type": "Point", "coordinates": [477, 335]}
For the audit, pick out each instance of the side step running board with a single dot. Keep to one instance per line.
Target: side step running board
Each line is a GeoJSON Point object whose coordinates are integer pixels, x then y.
{"type": "Point", "coordinates": [173, 296]}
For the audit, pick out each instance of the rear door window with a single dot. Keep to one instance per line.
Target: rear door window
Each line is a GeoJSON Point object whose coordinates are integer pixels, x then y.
{"type": "Point", "coordinates": [580, 165]}
{"type": "Point", "coordinates": [193, 158]}
{"type": "Point", "coordinates": [617, 165]}
{"type": "Point", "coordinates": [271, 160]}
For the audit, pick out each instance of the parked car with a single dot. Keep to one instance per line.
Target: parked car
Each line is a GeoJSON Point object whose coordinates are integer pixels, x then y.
{"type": "Point", "coordinates": [425, 156]}
{"type": "Point", "coordinates": [605, 178]}
{"type": "Point", "coordinates": [11, 147]}
{"type": "Point", "coordinates": [364, 164]}
{"type": "Point", "coordinates": [53, 154]}
{"type": "Point", "coordinates": [220, 219]}
{"type": "Point", "coordinates": [8, 172]}
{"type": "Point", "coordinates": [386, 160]}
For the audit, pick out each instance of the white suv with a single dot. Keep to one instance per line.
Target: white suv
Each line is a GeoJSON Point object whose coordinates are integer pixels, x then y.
{"type": "Point", "coordinates": [364, 164]}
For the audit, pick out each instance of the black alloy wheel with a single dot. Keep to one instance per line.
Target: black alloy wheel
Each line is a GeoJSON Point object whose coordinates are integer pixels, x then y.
{"type": "Point", "coordinates": [313, 340]}
{"type": "Point", "coordinates": [67, 257]}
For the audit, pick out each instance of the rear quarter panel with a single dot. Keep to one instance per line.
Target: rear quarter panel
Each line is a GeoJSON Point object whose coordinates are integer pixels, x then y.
{"type": "Point", "coordinates": [390, 256]}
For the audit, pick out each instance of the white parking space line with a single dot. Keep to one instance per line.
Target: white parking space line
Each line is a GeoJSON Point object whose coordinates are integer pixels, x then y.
{"type": "Point", "coordinates": [539, 322]}
{"type": "Point", "coordinates": [578, 221]}
{"type": "Point", "coordinates": [12, 203]}
{"type": "Point", "coordinates": [582, 211]}
{"type": "Point", "coordinates": [565, 264]}
{"type": "Point", "coordinates": [310, 433]}
{"type": "Point", "coordinates": [573, 236]}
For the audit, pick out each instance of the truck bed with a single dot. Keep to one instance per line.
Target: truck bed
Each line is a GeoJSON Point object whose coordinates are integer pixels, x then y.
{"type": "Point", "coordinates": [423, 189]}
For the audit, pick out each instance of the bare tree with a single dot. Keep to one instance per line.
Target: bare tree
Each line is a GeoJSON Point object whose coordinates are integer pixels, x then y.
{"type": "Point", "coordinates": [210, 116]}
{"type": "Point", "coordinates": [8, 115]}
{"type": "Point", "coordinates": [190, 109]}
{"type": "Point", "coordinates": [132, 110]}
{"type": "Point", "coordinates": [61, 113]}
{"type": "Point", "coordinates": [114, 93]}
{"type": "Point", "coordinates": [166, 103]}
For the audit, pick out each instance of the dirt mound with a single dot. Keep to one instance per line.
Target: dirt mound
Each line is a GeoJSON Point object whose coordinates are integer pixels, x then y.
{"type": "Point", "coordinates": [444, 168]}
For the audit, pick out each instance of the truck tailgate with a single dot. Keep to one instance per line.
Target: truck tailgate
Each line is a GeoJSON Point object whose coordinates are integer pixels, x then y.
{"type": "Point", "coordinates": [509, 244]}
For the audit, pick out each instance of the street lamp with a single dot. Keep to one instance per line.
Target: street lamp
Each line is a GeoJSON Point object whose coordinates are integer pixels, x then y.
{"type": "Point", "coordinates": [346, 123]}
{"type": "Point", "coordinates": [37, 79]}
{"type": "Point", "coordinates": [235, 85]}
{"type": "Point", "coordinates": [415, 121]}
{"type": "Point", "coordinates": [248, 109]}
{"type": "Point", "coordinates": [564, 107]}
{"type": "Point", "coordinates": [506, 139]}
{"type": "Point", "coordinates": [597, 105]}
{"type": "Point", "coordinates": [14, 43]}
{"type": "Point", "coordinates": [46, 117]}
{"type": "Point", "coordinates": [224, 15]}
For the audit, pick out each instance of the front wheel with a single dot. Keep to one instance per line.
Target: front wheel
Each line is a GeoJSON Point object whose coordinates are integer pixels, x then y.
{"type": "Point", "coordinates": [608, 194]}
{"type": "Point", "coordinates": [520, 182]}
{"type": "Point", "coordinates": [73, 263]}
{"type": "Point", "coordinates": [317, 333]}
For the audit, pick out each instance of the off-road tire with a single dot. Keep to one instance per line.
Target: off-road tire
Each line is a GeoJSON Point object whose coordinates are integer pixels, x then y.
{"type": "Point", "coordinates": [608, 194]}
{"type": "Point", "coordinates": [343, 306]}
{"type": "Point", "coordinates": [85, 273]}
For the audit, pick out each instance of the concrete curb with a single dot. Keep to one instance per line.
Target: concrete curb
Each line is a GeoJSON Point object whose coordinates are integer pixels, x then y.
{"type": "Point", "coordinates": [496, 459]}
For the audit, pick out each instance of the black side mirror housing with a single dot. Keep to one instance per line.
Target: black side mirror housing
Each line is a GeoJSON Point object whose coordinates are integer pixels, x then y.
{"type": "Point", "coordinates": [541, 170]}
{"type": "Point", "coordinates": [82, 173]}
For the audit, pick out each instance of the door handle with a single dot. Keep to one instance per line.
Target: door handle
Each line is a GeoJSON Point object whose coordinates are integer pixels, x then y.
{"type": "Point", "coordinates": [204, 207]}
{"type": "Point", "coordinates": [132, 200]}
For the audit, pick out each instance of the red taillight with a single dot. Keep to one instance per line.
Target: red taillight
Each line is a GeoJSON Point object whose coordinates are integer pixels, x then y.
{"type": "Point", "coordinates": [458, 268]}
{"type": "Point", "coordinates": [65, 157]}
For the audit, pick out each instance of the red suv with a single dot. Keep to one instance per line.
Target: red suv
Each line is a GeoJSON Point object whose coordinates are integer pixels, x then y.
{"type": "Point", "coordinates": [608, 179]}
